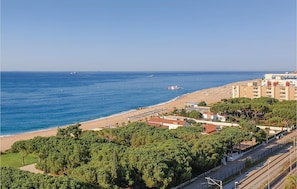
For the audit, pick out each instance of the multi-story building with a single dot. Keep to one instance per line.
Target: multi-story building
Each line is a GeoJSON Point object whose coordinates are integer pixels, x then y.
{"type": "Point", "coordinates": [278, 86]}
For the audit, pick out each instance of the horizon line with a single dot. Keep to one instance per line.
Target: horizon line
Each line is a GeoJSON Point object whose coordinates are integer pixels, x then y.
{"type": "Point", "coordinates": [76, 71]}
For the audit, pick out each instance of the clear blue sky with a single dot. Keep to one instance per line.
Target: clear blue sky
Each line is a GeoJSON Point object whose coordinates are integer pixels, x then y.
{"type": "Point", "coordinates": [148, 35]}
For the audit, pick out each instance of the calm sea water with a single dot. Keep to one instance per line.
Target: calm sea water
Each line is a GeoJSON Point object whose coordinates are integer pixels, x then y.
{"type": "Point", "coordinates": [39, 100]}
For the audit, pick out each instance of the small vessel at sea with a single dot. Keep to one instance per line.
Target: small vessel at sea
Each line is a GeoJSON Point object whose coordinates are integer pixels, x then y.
{"type": "Point", "coordinates": [173, 87]}
{"type": "Point", "coordinates": [73, 73]}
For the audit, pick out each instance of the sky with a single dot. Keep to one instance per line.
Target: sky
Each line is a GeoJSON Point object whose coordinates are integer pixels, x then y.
{"type": "Point", "coordinates": [148, 35]}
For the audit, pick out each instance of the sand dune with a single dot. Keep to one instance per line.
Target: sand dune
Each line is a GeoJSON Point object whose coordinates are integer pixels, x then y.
{"type": "Point", "coordinates": [210, 95]}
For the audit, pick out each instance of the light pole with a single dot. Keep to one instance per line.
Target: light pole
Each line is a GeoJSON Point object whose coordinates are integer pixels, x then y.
{"type": "Point", "coordinates": [268, 184]}
{"type": "Point", "coordinates": [295, 144]}
{"type": "Point", "coordinates": [290, 158]}
{"type": "Point", "coordinates": [235, 185]}
{"type": "Point", "coordinates": [214, 182]}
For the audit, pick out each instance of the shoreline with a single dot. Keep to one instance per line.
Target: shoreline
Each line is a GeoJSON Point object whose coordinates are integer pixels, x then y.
{"type": "Point", "coordinates": [91, 120]}
{"type": "Point", "coordinates": [209, 95]}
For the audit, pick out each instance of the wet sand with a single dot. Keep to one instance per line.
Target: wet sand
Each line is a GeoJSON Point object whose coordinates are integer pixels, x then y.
{"type": "Point", "coordinates": [210, 95]}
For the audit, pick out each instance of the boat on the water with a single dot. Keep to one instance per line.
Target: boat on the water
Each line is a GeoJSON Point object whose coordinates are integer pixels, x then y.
{"type": "Point", "coordinates": [173, 87]}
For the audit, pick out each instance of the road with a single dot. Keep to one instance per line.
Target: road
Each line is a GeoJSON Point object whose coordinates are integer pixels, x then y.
{"type": "Point", "coordinates": [236, 166]}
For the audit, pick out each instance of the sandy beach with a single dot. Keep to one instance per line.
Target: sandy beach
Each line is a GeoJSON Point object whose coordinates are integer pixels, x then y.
{"type": "Point", "coordinates": [210, 95]}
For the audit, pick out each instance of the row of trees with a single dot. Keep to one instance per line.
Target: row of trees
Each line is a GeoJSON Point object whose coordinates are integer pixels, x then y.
{"type": "Point", "coordinates": [264, 110]}
{"type": "Point", "coordinates": [137, 155]}
{"type": "Point", "coordinates": [14, 178]}
{"type": "Point", "coordinates": [190, 114]}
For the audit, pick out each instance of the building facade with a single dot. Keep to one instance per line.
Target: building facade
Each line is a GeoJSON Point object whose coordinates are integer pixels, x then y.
{"type": "Point", "coordinates": [167, 123]}
{"type": "Point", "coordinates": [278, 86]}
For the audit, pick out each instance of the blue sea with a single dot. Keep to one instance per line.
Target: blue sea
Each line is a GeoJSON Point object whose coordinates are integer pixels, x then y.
{"type": "Point", "coordinates": [40, 100]}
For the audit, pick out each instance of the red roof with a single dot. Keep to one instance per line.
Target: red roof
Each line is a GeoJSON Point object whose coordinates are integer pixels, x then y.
{"type": "Point", "coordinates": [209, 128]}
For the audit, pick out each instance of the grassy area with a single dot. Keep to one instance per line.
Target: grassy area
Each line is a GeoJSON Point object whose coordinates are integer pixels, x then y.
{"type": "Point", "coordinates": [15, 160]}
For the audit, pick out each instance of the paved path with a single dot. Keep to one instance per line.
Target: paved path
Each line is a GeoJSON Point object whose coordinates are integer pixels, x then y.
{"type": "Point", "coordinates": [31, 168]}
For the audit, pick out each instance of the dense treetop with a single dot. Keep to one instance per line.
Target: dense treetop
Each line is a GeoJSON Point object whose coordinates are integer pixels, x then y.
{"type": "Point", "coordinates": [140, 156]}
{"type": "Point", "coordinates": [137, 155]}
{"type": "Point", "coordinates": [264, 110]}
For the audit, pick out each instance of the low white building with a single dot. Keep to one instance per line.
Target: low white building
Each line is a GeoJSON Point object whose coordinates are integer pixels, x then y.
{"type": "Point", "coordinates": [166, 123]}
{"type": "Point", "coordinates": [212, 116]}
